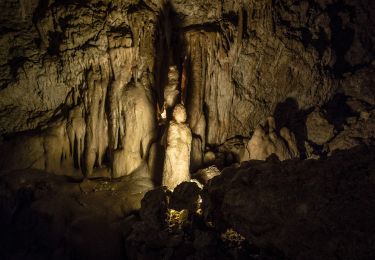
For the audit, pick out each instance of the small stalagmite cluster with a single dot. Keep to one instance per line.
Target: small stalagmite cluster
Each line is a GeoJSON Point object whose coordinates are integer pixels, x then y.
{"type": "Point", "coordinates": [266, 141]}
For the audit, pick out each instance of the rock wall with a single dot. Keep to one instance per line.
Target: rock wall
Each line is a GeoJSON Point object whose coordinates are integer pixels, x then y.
{"type": "Point", "coordinates": [80, 81]}
{"type": "Point", "coordinates": [80, 84]}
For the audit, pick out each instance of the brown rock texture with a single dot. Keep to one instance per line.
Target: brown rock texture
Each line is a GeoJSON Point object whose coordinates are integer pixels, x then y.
{"type": "Point", "coordinates": [311, 209]}
{"type": "Point", "coordinates": [80, 81]}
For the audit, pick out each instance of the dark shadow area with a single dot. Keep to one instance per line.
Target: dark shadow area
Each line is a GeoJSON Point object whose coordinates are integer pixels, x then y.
{"type": "Point", "coordinates": [321, 43]}
{"type": "Point", "coordinates": [170, 51]}
{"type": "Point", "coordinates": [342, 36]}
{"type": "Point", "coordinates": [51, 217]}
{"type": "Point", "coordinates": [338, 111]}
{"type": "Point", "coordinates": [287, 114]}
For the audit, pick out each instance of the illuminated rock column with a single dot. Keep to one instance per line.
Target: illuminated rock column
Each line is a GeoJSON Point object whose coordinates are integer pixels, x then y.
{"type": "Point", "coordinates": [177, 156]}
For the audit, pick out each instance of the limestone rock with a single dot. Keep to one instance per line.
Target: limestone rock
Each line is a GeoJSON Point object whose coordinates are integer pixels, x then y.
{"type": "Point", "coordinates": [288, 205]}
{"type": "Point", "coordinates": [171, 92]}
{"type": "Point", "coordinates": [358, 84]}
{"type": "Point", "coordinates": [319, 130]}
{"type": "Point", "coordinates": [44, 216]}
{"type": "Point", "coordinates": [235, 147]}
{"type": "Point", "coordinates": [185, 196]}
{"type": "Point", "coordinates": [361, 132]}
{"type": "Point", "coordinates": [239, 59]}
{"type": "Point", "coordinates": [154, 207]}
{"type": "Point", "coordinates": [209, 158]}
{"type": "Point", "coordinates": [206, 174]}
{"type": "Point", "coordinates": [177, 154]}
{"type": "Point", "coordinates": [78, 65]}
{"type": "Point", "coordinates": [265, 142]}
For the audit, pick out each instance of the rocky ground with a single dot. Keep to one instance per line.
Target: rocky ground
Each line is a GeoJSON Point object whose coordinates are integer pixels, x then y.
{"type": "Point", "coordinates": [51, 217]}
{"type": "Point", "coordinates": [310, 209]}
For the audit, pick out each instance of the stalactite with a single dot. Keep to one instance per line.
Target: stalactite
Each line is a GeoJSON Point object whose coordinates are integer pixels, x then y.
{"type": "Point", "coordinates": [96, 138]}
{"type": "Point", "coordinates": [57, 150]}
{"type": "Point", "coordinates": [76, 129]}
{"type": "Point", "coordinates": [92, 67]}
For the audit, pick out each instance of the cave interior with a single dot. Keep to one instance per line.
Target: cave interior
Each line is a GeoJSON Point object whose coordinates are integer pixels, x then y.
{"type": "Point", "coordinates": [187, 129]}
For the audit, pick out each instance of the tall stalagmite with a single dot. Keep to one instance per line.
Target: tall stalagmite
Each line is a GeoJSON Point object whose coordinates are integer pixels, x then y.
{"type": "Point", "coordinates": [80, 81]}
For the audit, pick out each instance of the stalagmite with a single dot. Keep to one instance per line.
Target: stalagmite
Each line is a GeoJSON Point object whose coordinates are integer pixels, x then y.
{"type": "Point", "coordinates": [171, 92]}
{"type": "Point", "coordinates": [266, 141]}
{"type": "Point", "coordinates": [256, 146]}
{"type": "Point", "coordinates": [177, 157]}
{"type": "Point", "coordinates": [290, 138]}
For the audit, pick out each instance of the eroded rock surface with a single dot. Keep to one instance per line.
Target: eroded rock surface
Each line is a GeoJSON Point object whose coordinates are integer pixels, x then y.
{"type": "Point", "coordinates": [357, 131]}
{"type": "Point", "coordinates": [77, 74]}
{"type": "Point", "coordinates": [266, 141]}
{"type": "Point", "coordinates": [312, 209]}
{"type": "Point", "coordinates": [319, 130]}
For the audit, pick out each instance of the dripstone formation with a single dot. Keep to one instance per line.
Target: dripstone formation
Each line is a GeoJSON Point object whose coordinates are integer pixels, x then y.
{"type": "Point", "coordinates": [177, 155]}
{"type": "Point", "coordinates": [187, 129]}
{"type": "Point", "coordinates": [82, 81]}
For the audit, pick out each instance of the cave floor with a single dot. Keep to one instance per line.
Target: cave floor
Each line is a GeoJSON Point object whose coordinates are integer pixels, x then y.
{"type": "Point", "coordinates": [46, 216]}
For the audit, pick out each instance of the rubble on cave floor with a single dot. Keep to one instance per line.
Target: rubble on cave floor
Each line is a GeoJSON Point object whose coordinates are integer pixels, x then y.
{"type": "Point", "coordinates": [265, 210]}
{"type": "Point", "coordinates": [257, 210]}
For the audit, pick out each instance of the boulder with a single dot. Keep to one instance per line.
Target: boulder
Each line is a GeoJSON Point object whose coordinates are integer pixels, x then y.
{"type": "Point", "coordinates": [319, 130]}
{"type": "Point", "coordinates": [185, 196]}
{"type": "Point", "coordinates": [360, 131]}
{"type": "Point", "coordinates": [312, 209]}
{"type": "Point", "coordinates": [206, 174]}
{"type": "Point", "coordinates": [154, 206]}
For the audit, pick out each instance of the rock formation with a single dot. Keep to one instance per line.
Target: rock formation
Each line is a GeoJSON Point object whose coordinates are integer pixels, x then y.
{"type": "Point", "coordinates": [265, 142]}
{"type": "Point", "coordinates": [87, 71]}
{"type": "Point", "coordinates": [319, 130]}
{"type": "Point", "coordinates": [357, 131]}
{"type": "Point", "coordinates": [171, 92]}
{"type": "Point", "coordinates": [87, 88]}
{"type": "Point", "coordinates": [177, 155]}
{"type": "Point", "coordinates": [75, 74]}
{"type": "Point", "coordinates": [311, 209]}
{"type": "Point", "coordinates": [206, 174]}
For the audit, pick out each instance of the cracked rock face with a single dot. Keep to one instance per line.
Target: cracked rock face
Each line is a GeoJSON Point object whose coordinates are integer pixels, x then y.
{"type": "Point", "coordinates": [80, 81]}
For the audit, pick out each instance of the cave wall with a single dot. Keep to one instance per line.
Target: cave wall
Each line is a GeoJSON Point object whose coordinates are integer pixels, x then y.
{"type": "Point", "coordinates": [81, 86]}
{"type": "Point", "coordinates": [81, 80]}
